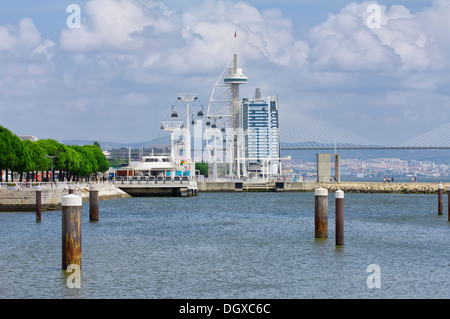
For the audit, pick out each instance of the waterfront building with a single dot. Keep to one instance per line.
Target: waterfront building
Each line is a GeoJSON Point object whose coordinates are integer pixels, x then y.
{"type": "Point", "coordinates": [262, 137]}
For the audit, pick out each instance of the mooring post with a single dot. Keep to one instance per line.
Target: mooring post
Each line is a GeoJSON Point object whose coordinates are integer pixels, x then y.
{"type": "Point", "coordinates": [38, 203]}
{"type": "Point", "coordinates": [321, 212]}
{"type": "Point", "coordinates": [70, 189]}
{"type": "Point", "coordinates": [448, 206]}
{"type": "Point", "coordinates": [93, 203]}
{"type": "Point", "coordinates": [71, 230]}
{"type": "Point", "coordinates": [339, 217]}
{"type": "Point", "coordinates": [440, 199]}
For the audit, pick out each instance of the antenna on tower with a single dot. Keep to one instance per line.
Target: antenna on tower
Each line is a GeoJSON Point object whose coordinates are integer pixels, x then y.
{"type": "Point", "coordinates": [235, 42]}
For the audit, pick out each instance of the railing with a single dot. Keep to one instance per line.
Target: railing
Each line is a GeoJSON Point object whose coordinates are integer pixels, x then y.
{"type": "Point", "coordinates": [48, 185]}
{"type": "Point", "coordinates": [151, 180]}
{"type": "Point", "coordinates": [255, 180]}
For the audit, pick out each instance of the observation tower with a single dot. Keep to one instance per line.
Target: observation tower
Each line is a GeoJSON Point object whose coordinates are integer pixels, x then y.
{"type": "Point", "coordinates": [224, 114]}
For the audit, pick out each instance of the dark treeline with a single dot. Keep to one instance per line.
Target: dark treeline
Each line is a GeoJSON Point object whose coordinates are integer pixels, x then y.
{"type": "Point", "coordinates": [27, 158]}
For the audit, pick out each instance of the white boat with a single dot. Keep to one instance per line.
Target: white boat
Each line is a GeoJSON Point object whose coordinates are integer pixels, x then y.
{"type": "Point", "coordinates": [155, 175]}
{"type": "Point", "coordinates": [152, 165]}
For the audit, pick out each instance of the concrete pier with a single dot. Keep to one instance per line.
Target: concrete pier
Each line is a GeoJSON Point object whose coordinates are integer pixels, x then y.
{"type": "Point", "coordinates": [324, 168]}
{"type": "Point", "coordinates": [24, 199]}
{"type": "Point", "coordinates": [144, 187]}
{"type": "Point", "coordinates": [241, 186]}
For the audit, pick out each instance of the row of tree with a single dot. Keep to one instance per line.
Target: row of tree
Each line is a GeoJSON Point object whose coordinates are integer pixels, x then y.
{"type": "Point", "coordinates": [26, 157]}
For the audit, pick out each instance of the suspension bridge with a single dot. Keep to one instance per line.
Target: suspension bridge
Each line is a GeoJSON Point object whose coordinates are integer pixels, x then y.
{"type": "Point", "coordinates": [302, 131]}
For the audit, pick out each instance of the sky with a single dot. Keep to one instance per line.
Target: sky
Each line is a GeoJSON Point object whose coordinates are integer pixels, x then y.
{"type": "Point", "coordinates": [116, 76]}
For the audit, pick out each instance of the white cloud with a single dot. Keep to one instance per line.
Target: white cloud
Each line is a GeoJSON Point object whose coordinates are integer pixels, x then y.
{"type": "Point", "coordinates": [405, 40]}
{"type": "Point", "coordinates": [343, 43]}
{"type": "Point", "coordinates": [22, 39]}
{"type": "Point", "coordinates": [201, 39]}
{"type": "Point", "coordinates": [116, 25]}
{"type": "Point", "coordinates": [25, 60]}
{"type": "Point", "coordinates": [133, 54]}
{"type": "Point", "coordinates": [7, 40]}
{"type": "Point", "coordinates": [45, 49]}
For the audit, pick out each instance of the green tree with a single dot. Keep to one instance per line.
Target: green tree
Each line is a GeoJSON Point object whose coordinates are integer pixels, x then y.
{"type": "Point", "coordinates": [90, 155]}
{"type": "Point", "coordinates": [26, 161]}
{"type": "Point", "coordinates": [10, 148]}
{"type": "Point", "coordinates": [203, 168]}
{"type": "Point", "coordinates": [40, 162]}
{"type": "Point", "coordinates": [85, 161]}
{"type": "Point", "coordinates": [100, 158]}
{"type": "Point", "coordinates": [50, 148]}
{"type": "Point", "coordinates": [70, 161]}
{"type": "Point", "coordinates": [27, 156]}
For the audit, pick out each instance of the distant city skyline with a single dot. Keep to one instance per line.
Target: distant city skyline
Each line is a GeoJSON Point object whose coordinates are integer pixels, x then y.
{"type": "Point", "coordinates": [116, 77]}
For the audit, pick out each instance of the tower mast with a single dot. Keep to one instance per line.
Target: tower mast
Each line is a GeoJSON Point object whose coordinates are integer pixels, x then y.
{"type": "Point", "coordinates": [229, 110]}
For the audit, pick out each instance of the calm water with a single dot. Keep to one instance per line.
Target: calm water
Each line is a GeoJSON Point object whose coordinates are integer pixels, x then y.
{"type": "Point", "coordinates": [243, 245]}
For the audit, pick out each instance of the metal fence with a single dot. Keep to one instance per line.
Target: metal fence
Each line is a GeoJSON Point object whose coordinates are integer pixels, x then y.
{"type": "Point", "coordinates": [48, 185]}
{"type": "Point", "coordinates": [151, 180]}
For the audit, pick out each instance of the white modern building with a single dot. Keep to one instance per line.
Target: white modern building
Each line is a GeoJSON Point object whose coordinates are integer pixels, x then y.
{"type": "Point", "coordinates": [262, 137]}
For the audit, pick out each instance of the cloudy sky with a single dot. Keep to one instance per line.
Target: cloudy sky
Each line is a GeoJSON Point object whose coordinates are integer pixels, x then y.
{"type": "Point", "coordinates": [116, 77]}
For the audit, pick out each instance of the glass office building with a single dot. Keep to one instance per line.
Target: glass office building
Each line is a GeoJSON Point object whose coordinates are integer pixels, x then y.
{"type": "Point", "coordinates": [262, 138]}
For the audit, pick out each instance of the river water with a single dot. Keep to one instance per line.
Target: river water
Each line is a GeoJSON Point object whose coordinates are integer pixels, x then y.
{"type": "Point", "coordinates": [234, 245]}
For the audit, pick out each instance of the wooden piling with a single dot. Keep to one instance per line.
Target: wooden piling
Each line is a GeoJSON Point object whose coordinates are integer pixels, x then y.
{"type": "Point", "coordinates": [440, 199]}
{"type": "Point", "coordinates": [93, 203]}
{"type": "Point", "coordinates": [448, 206]}
{"type": "Point", "coordinates": [339, 198]}
{"type": "Point", "coordinates": [38, 203]}
{"type": "Point", "coordinates": [70, 189]}
{"type": "Point", "coordinates": [71, 230]}
{"type": "Point", "coordinates": [321, 213]}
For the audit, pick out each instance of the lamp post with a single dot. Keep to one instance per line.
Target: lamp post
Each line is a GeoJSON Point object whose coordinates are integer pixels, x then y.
{"type": "Point", "coordinates": [189, 97]}
{"type": "Point", "coordinates": [52, 157]}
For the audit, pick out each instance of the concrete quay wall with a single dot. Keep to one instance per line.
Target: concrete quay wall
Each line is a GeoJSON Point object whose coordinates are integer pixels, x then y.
{"type": "Point", "coordinates": [23, 200]}
{"type": "Point", "coordinates": [349, 187]}
{"type": "Point", "coordinates": [239, 186]}
{"type": "Point", "coordinates": [394, 188]}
